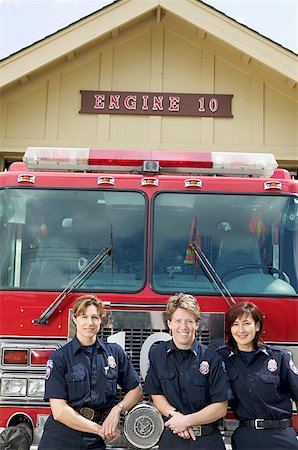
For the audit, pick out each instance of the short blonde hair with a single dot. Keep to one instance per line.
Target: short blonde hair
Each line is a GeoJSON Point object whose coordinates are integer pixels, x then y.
{"type": "Point", "coordinates": [82, 303]}
{"type": "Point", "coordinates": [184, 301]}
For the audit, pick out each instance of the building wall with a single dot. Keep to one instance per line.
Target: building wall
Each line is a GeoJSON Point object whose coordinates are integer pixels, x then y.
{"type": "Point", "coordinates": [169, 55]}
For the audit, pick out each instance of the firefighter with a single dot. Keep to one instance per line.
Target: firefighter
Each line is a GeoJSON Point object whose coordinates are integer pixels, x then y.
{"type": "Point", "coordinates": [187, 382]}
{"type": "Point", "coordinates": [262, 379]}
{"type": "Point", "coordinates": [81, 384]}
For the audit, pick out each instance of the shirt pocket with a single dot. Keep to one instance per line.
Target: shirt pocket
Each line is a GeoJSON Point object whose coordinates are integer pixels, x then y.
{"type": "Point", "coordinates": [269, 387]}
{"type": "Point", "coordinates": [111, 377]}
{"type": "Point", "coordinates": [233, 374]}
{"type": "Point", "coordinates": [76, 385]}
{"type": "Point", "coordinates": [199, 389]}
{"type": "Point", "coordinates": [167, 378]}
{"type": "Point", "coordinates": [166, 374]}
{"type": "Point", "coordinates": [236, 382]}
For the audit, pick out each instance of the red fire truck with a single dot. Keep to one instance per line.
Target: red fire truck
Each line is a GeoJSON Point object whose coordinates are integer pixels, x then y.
{"type": "Point", "coordinates": [134, 227]}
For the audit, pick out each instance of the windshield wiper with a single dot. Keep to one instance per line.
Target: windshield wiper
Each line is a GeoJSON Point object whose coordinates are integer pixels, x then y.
{"type": "Point", "coordinates": [96, 262]}
{"type": "Point", "coordinates": [211, 273]}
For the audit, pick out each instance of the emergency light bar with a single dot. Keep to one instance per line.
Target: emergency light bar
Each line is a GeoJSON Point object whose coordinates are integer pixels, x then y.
{"type": "Point", "coordinates": [97, 160]}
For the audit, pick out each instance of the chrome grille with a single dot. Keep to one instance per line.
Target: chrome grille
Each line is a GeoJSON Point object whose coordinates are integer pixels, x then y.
{"type": "Point", "coordinates": [134, 339]}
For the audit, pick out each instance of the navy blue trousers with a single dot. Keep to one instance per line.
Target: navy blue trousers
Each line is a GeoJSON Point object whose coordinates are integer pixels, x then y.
{"type": "Point", "coordinates": [170, 441]}
{"type": "Point", "coordinates": [245, 438]}
{"type": "Point", "coordinates": [57, 436]}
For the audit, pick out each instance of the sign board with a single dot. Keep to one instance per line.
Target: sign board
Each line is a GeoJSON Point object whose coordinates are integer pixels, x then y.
{"type": "Point", "coordinates": [156, 104]}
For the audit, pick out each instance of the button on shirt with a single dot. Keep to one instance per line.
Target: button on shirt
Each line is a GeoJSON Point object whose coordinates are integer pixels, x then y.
{"type": "Point", "coordinates": [262, 387]}
{"type": "Point", "coordinates": [89, 380]}
{"type": "Point", "coordinates": [189, 379]}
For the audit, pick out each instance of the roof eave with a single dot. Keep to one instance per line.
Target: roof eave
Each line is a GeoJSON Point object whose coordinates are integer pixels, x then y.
{"type": "Point", "coordinates": [72, 38]}
{"type": "Point", "coordinates": [236, 35]}
{"type": "Point", "coordinates": [197, 13]}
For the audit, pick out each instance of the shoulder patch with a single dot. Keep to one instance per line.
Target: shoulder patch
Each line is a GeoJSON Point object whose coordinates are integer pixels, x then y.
{"type": "Point", "coordinates": [50, 365]}
{"type": "Point", "coordinates": [223, 366]}
{"type": "Point", "coordinates": [293, 367]}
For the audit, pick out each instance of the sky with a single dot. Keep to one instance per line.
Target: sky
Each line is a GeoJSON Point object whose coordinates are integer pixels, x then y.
{"type": "Point", "coordinates": [24, 22]}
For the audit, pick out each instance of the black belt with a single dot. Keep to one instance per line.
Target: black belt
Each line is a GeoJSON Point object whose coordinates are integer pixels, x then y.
{"type": "Point", "coordinates": [204, 430]}
{"type": "Point", "coordinates": [92, 414]}
{"type": "Point", "coordinates": [263, 424]}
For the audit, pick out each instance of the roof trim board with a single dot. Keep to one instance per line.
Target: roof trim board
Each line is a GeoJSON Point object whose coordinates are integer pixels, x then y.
{"type": "Point", "coordinates": [72, 38]}
{"type": "Point", "coordinates": [236, 35]}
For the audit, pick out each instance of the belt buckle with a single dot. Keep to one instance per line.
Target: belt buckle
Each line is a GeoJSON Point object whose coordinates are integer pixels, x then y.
{"type": "Point", "coordinates": [88, 413]}
{"type": "Point", "coordinates": [257, 425]}
{"type": "Point", "coordinates": [197, 430]}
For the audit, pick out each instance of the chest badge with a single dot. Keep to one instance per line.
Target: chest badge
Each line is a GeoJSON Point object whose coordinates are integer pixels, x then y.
{"type": "Point", "coordinates": [204, 367]}
{"type": "Point", "coordinates": [272, 365]}
{"type": "Point", "coordinates": [112, 362]}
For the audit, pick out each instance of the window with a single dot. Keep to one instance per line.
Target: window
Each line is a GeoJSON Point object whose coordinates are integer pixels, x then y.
{"type": "Point", "coordinates": [250, 240]}
{"type": "Point", "coordinates": [49, 236]}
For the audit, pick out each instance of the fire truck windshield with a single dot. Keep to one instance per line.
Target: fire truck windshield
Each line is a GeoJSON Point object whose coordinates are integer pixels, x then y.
{"type": "Point", "coordinates": [49, 236]}
{"type": "Point", "coordinates": [250, 240]}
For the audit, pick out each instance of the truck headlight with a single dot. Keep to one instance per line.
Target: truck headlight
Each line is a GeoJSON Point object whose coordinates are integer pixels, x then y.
{"type": "Point", "coordinates": [13, 387]}
{"type": "Point", "coordinates": [36, 387]}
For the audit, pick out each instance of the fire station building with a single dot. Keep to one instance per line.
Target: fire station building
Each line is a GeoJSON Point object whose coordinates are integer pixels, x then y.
{"type": "Point", "coordinates": [152, 74]}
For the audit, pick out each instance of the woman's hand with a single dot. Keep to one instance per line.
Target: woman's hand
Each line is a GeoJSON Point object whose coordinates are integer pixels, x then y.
{"type": "Point", "coordinates": [65, 414]}
{"type": "Point", "coordinates": [187, 434]}
{"type": "Point", "coordinates": [100, 432]}
{"type": "Point", "coordinates": [110, 428]}
{"type": "Point", "coordinates": [178, 423]}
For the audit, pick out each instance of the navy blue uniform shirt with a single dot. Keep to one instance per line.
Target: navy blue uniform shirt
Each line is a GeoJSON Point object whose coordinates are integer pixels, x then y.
{"type": "Point", "coordinates": [89, 380]}
{"type": "Point", "coordinates": [189, 379]}
{"type": "Point", "coordinates": [262, 387]}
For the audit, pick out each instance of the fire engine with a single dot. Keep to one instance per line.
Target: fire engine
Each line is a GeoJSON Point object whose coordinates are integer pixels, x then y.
{"type": "Point", "coordinates": [135, 227]}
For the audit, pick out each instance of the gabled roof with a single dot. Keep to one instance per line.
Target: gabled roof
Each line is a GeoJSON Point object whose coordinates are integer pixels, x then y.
{"type": "Point", "coordinates": [121, 12]}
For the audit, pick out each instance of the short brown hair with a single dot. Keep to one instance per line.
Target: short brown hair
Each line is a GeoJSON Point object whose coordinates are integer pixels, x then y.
{"type": "Point", "coordinates": [237, 311]}
{"type": "Point", "coordinates": [184, 301]}
{"type": "Point", "coordinates": [82, 303]}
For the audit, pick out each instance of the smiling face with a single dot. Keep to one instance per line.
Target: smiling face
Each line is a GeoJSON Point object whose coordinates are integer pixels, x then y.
{"type": "Point", "coordinates": [88, 324]}
{"type": "Point", "coordinates": [183, 326]}
{"type": "Point", "coordinates": [243, 331]}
